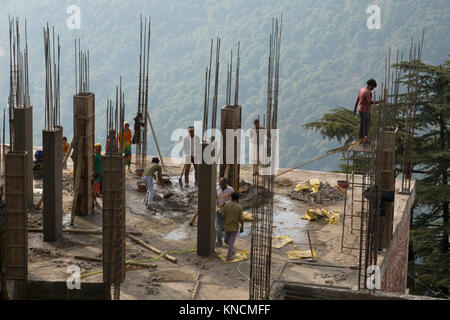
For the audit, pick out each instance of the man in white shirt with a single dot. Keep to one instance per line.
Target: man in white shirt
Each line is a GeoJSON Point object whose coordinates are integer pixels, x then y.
{"type": "Point", "coordinates": [223, 192]}
{"type": "Point", "coordinates": [192, 152]}
{"type": "Point", "coordinates": [253, 154]}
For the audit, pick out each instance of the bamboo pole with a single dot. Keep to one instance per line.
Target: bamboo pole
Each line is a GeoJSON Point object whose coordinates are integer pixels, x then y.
{"type": "Point", "coordinates": [131, 263]}
{"type": "Point", "coordinates": [151, 248]}
{"type": "Point", "coordinates": [77, 180]}
{"type": "Point", "coordinates": [156, 141]}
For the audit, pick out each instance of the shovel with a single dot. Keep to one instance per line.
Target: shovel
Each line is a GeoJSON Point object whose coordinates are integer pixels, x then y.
{"type": "Point", "coordinates": [310, 247]}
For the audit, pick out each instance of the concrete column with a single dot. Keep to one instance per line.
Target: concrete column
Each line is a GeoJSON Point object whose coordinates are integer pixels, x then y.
{"type": "Point", "coordinates": [52, 184]}
{"type": "Point", "coordinates": [16, 182]}
{"type": "Point", "coordinates": [113, 204]}
{"type": "Point", "coordinates": [84, 128]}
{"type": "Point", "coordinates": [23, 141]}
{"type": "Point", "coordinates": [206, 232]}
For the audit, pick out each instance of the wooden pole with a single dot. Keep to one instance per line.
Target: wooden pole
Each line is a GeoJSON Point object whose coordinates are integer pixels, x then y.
{"type": "Point", "coordinates": [156, 141]}
{"type": "Point", "coordinates": [67, 154]}
{"type": "Point", "coordinates": [157, 251]}
{"type": "Point", "coordinates": [77, 180]}
{"type": "Point", "coordinates": [131, 263]}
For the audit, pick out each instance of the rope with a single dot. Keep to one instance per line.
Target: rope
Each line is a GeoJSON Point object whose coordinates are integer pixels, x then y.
{"type": "Point", "coordinates": [329, 153]}
{"type": "Point", "coordinates": [241, 271]}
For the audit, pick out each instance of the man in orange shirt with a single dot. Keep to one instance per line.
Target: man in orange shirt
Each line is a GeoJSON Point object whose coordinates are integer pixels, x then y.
{"type": "Point", "coordinates": [364, 101]}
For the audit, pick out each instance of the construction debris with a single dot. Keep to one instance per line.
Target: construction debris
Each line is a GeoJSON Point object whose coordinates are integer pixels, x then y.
{"type": "Point", "coordinates": [330, 216]}
{"type": "Point", "coordinates": [280, 241]}
{"type": "Point", "coordinates": [300, 254]}
{"type": "Point", "coordinates": [315, 191]}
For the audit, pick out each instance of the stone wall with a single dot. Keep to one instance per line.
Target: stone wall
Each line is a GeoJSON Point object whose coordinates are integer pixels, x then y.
{"type": "Point", "coordinates": [394, 266]}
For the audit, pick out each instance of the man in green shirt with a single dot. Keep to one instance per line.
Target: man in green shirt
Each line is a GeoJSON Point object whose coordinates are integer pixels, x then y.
{"type": "Point", "coordinates": [232, 214]}
{"type": "Point", "coordinates": [147, 178]}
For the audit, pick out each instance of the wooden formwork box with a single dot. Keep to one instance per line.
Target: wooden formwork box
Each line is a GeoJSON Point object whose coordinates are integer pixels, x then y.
{"type": "Point", "coordinates": [16, 180]}
{"type": "Point", "coordinates": [52, 184]}
{"type": "Point", "coordinates": [387, 178]}
{"type": "Point", "coordinates": [113, 186]}
{"type": "Point", "coordinates": [231, 119]}
{"type": "Point", "coordinates": [23, 141]}
{"type": "Point", "coordinates": [84, 128]}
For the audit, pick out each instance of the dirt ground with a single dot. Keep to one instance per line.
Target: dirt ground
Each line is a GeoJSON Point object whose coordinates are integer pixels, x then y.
{"type": "Point", "coordinates": [167, 228]}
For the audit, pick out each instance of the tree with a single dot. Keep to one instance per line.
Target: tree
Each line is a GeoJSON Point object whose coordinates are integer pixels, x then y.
{"type": "Point", "coordinates": [429, 260]}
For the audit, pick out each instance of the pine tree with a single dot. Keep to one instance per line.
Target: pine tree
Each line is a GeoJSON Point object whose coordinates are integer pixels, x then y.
{"type": "Point", "coordinates": [429, 261]}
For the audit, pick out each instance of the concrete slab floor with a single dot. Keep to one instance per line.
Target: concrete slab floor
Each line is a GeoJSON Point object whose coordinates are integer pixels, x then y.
{"type": "Point", "coordinates": [194, 276]}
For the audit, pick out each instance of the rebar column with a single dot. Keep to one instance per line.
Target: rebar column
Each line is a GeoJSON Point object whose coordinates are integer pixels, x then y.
{"type": "Point", "coordinates": [206, 207]}
{"type": "Point", "coordinates": [84, 128]}
{"type": "Point", "coordinates": [52, 184]}
{"type": "Point", "coordinates": [113, 204]}
{"type": "Point", "coordinates": [16, 182]}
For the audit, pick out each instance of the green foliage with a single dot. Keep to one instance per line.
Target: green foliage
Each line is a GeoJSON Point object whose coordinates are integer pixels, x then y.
{"type": "Point", "coordinates": [327, 54]}
{"type": "Point", "coordinates": [430, 229]}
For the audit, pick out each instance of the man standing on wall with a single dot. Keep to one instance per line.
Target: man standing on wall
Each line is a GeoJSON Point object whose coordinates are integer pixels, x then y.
{"type": "Point", "coordinates": [364, 101]}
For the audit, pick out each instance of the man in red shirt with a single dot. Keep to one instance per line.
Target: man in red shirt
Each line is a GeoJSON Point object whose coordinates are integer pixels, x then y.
{"type": "Point", "coordinates": [364, 101]}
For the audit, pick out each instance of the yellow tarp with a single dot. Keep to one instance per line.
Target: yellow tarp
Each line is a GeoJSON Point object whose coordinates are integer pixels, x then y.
{"type": "Point", "coordinates": [330, 216]}
{"type": "Point", "coordinates": [312, 185]}
{"type": "Point", "coordinates": [280, 241]}
{"type": "Point", "coordinates": [299, 254]}
{"type": "Point", "coordinates": [239, 256]}
{"type": "Point", "coordinates": [333, 217]}
{"type": "Point", "coordinates": [247, 216]}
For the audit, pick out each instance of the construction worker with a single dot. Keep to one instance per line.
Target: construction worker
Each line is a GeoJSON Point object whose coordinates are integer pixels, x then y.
{"type": "Point", "coordinates": [192, 152]}
{"type": "Point", "coordinates": [253, 152]}
{"type": "Point", "coordinates": [65, 149]}
{"type": "Point", "coordinates": [111, 143]}
{"type": "Point", "coordinates": [138, 123]}
{"type": "Point", "coordinates": [363, 103]}
{"type": "Point", "coordinates": [126, 144]}
{"type": "Point", "coordinates": [223, 196]}
{"type": "Point", "coordinates": [98, 169]}
{"type": "Point", "coordinates": [232, 215]}
{"type": "Point", "coordinates": [148, 176]}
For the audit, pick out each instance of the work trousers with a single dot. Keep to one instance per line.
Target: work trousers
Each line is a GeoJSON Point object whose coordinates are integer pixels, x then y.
{"type": "Point", "coordinates": [219, 227]}
{"type": "Point", "coordinates": [364, 124]}
{"type": "Point", "coordinates": [230, 238]}
{"type": "Point", "coordinates": [148, 180]}
{"type": "Point", "coordinates": [187, 168]}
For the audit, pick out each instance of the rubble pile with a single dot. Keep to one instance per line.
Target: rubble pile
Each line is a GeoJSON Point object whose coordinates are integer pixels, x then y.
{"type": "Point", "coordinates": [316, 192]}
{"type": "Point", "coordinates": [67, 182]}
{"type": "Point", "coordinates": [248, 194]}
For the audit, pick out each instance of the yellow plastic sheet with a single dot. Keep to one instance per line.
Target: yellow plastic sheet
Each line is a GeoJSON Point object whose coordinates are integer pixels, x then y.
{"type": "Point", "coordinates": [299, 254]}
{"type": "Point", "coordinates": [332, 217]}
{"type": "Point", "coordinates": [247, 216]}
{"type": "Point", "coordinates": [315, 184]}
{"type": "Point", "coordinates": [280, 241]}
{"type": "Point", "coordinates": [312, 185]}
{"type": "Point", "coordinates": [238, 256]}
{"type": "Point", "coordinates": [314, 214]}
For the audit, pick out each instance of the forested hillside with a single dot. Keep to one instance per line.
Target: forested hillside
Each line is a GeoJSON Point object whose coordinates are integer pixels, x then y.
{"type": "Point", "coordinates": [327, 54]}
